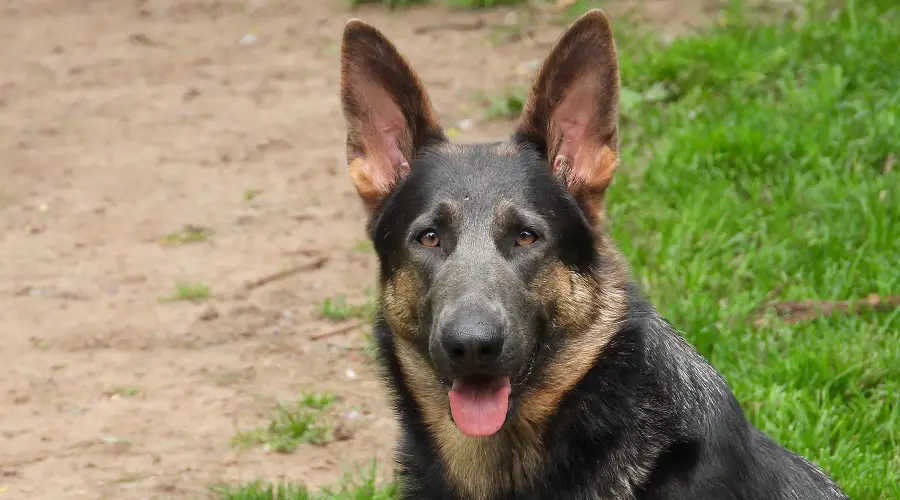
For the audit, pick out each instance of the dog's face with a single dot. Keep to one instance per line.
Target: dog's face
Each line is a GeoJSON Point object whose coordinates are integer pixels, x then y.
{"type": "Point", "coordinates": [487, 251]}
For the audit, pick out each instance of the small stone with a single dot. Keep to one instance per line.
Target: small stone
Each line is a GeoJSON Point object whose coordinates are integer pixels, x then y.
{"type": "Point", "coordinates": [248, 39]}
{"type": "Point", "coordinates": [529, 67]}
{"type": "Point", "coordinates": [209, 313]}
{"type": "Point", "coordinates": [466, 124]}
{"type": "Point", "coordinates": [191, 94]}
{"type": "Point", "coordinates": [342, 432]}
{"type": "Point", "coordinates": [141, 39]}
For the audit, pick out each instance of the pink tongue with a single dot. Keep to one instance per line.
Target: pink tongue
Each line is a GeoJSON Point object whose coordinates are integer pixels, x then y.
{"type": "Point", "coordinates": [480, 410]}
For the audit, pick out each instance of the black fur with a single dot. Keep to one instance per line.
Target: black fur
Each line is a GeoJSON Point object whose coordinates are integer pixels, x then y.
{"type": "Point", "coordinates": [628, 413]}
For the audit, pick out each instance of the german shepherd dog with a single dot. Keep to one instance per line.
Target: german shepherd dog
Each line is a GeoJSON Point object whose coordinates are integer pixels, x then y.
{"type": "Point", "coordinates": [521, 359]}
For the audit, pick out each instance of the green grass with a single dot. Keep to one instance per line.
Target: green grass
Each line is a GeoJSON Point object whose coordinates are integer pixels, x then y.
{"type": "Point", "coordinates": [505, 104]}
{"type": "Point", "coordinates": [186, 235]}
{"type": "Point", "coordinates": [363, 246]}
{"type": "Point", "coordinates": [190, 292]}
{"type": "Point", "coordinates": [359, 486]}
{"type": "Point", "coordinates": [754, 159]}
{"type": "Point", "coordinates": [251, 194]}
{"type": "Point", "coordinates": [290, 425]}
{"type": "Point", "coordinates": [338, 309]}
{"type": "Point", "coordinates": [124, 391]}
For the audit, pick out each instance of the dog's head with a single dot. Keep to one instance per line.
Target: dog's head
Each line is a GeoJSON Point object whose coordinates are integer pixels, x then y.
{"type": "Point", "coordinates": [489, 252]}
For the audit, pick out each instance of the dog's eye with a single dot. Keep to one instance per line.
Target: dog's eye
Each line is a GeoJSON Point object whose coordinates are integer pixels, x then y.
{"type": "Point", "coordinates": [429, 238]}
{"type": "Point", "coordinates": [525, 238]}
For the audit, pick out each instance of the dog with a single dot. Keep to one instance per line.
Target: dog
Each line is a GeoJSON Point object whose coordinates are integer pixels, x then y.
{"type": "Point", "coordinates": [521, 360]}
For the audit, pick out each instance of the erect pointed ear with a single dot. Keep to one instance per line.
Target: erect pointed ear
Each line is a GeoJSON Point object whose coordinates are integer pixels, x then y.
{"type": "Point", "coordinates": [388, 113]}
{"type": "Point", "coordinates": [571, 112]}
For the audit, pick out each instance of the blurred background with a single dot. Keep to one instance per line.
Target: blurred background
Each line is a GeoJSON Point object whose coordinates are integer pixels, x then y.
{"type": "Point", "coordinates": [185, 283]}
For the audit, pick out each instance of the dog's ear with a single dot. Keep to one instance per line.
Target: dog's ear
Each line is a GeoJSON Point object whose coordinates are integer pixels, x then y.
{"type": "Point", "coordinates": [571, 112]}
{"type": "Point", "coordinates": [388, 113]}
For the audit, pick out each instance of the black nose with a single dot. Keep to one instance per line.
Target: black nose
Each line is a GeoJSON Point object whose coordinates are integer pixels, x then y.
{"type": "Point", "coordinates": [473, 340]}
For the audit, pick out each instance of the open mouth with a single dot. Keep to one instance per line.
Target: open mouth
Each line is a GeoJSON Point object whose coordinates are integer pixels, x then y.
{"type": "Point", "coordinates": [479, 403]}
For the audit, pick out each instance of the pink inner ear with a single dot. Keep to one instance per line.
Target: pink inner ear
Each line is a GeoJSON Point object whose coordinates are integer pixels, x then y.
{"type": "Point", "coordinates": [571, 119]}
{"type": "Point", "coordinates": [382, 135]}
{"type": "Point", "coordinates": [572, 132]}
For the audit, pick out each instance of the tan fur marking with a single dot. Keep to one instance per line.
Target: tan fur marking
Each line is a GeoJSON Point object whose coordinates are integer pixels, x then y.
{"type": "Point", "coordinates": [590, 185]}
{"type": "Point", "coordinates": [369, 191]}
{"type": "Point", "coordinates": [589, 310]}
{"type": "Point", "coordinates": [478, 467]}
{"type": "Point", "coordinates": [399, 299]}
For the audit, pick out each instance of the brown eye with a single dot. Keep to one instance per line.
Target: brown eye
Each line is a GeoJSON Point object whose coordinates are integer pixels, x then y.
{"type": "Point", "coordinates": [525, 238]}
{"type": "Point", "coordinates": [429, 239]}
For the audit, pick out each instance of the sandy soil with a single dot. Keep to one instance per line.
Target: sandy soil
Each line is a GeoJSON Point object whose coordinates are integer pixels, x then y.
{"type": "Point", "coordinates": [122, 121]}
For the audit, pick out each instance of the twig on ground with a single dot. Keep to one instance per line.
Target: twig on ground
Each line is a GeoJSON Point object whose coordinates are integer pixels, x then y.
{"type": "Point", "coordinates": [758, 309]}
{"type": "Point", "coordinates": [803, 310]}
{"type": "Point", "coordinates": [450, 26]}
{"type": "Point", "coordinates": [335, 331]}
{"type": "Point", "coordinates": [287, 273]}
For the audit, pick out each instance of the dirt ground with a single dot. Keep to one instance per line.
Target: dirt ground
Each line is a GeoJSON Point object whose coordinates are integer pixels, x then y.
{"type": "Point", "coordinates": [122, 121]}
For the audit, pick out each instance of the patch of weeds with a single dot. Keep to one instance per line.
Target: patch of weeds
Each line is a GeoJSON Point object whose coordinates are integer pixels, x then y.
{"type": "Point", "coordinates": [39, 343]}
{"type": "Point", "coordinates": [361, 486]}
{"type": "Point", "coordinates": [5, 198]}
{"type": "Point", "coordinates": [338, 309]}
{"type": "Point", "coordinates": [257, 490]}
{"type": "Point", "coordinates": [290, 426]}
{"type": "Point", "coordinates": [370, 347]}
{"type": "Point", "coordinates": [129, 477]}
{"type": "Point", "coordinates": [505, 105]}
{"type": "Point", "coordinates": [191, 292]}
{"type": "Point", "coordinates": [251, 194]}
{"type": "Point", "coordinates": [186, 235]}
{"type": "Point", "coordinates": [316, 401]}
{"type": "Point", "coordinates": [363, 246]}
{"type": "Point", "coordinates": [358, 486]}
{"type": "Point", "coordinates": [124, 391]}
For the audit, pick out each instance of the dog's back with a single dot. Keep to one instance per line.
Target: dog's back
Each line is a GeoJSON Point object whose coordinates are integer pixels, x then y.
{"type": "Point", "coordinates": [713, 451]}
